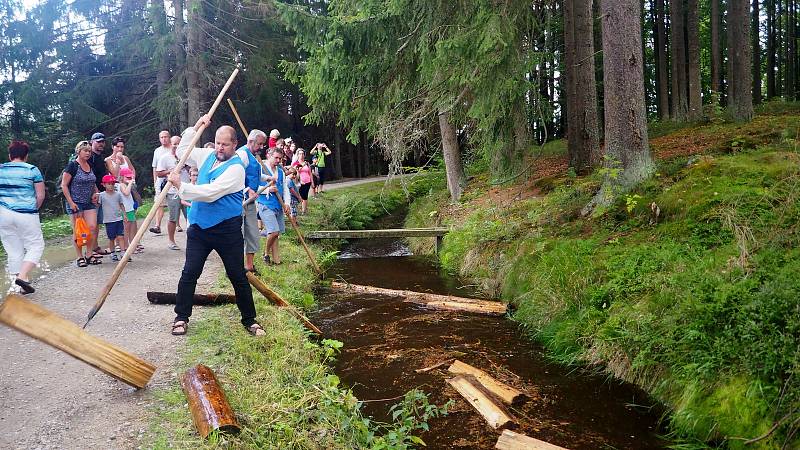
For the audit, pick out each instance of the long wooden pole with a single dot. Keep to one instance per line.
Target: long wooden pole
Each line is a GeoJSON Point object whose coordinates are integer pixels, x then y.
{"type": "Point", "coordinates": [276, 299]}
{"type": "Point", "coordinates": [160, 199]}
{"type": "Point", "coordinates": [280, 200]}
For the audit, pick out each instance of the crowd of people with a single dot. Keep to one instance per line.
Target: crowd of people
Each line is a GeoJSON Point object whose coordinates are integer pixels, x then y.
{"type": "Point", "coordinates": [230, 197]}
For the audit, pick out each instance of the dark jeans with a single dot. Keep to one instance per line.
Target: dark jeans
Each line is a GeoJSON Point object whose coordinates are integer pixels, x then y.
{"type": "Point", "coordinates": [226, 239]}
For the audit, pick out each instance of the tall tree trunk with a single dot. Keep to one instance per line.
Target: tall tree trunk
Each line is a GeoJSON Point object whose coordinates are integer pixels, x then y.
{"type": "Point", "coordinates": [625, 116]}
{"type": "Point", "coordinates": [779, 38]}
{"type": "Point", "coordinates": [454, 168]}
{"type": "Point", "coordinates": [756, 55]}
{"type": "Point", "coordinates": [583, 138]}
{"type": "Point", "coordinates": [351, 160]}
{"type": "Point", "coordinates": [337, 149]}
{"type": "Point", "coordinates": [662, 79]}
{"type": "Point", "coordinates": [716, 51]}
{"type": "Point", "coordinates": [770, 49]}
{"type": "Point", "coordinates": [693, 41]}
{"type": "Point", "coordinates": [740, 101]}
{"type": "Point", "coordinates": [680, 101]}
{"type": "Point", "coordinates": [791, 50]}
{"type": "Point", "coordinates": [180, 63]}
{"type": "Point", "coordinates": [158, 19]}
{"type": "Point", "coordinates": [194, 61]}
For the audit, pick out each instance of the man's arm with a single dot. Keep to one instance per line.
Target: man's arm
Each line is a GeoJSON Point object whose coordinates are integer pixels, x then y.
{"type": "Point", "coordinates": [231, 180]}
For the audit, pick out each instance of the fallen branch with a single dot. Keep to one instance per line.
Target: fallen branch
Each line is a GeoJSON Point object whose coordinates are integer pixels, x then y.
{"type": "Point", "coordinates": [276, 299]}
{"type": "Point", "coordinates": [437, 365]}
{"type": "Point", "coordinates": [169, 298]}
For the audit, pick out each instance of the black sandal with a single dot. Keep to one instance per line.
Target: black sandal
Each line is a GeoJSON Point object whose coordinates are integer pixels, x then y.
{"type": "Point", "coordinates": [26, 286]}
{"type": "Point", "coordinates": [94, 260]}
{"type": "Point", "coordinates": [256, 330]}
{"type": "Point", "coordinates": [179, 327]}
{"type": "Point", "coordinates": [81, 262]}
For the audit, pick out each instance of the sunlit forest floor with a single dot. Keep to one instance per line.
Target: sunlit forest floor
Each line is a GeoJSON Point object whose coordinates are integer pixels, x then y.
{"type": "Point", "coordinates": [686, 286]}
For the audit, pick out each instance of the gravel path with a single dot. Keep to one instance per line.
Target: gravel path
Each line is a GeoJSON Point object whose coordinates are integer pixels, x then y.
{"type": "Point", "coordinates": [50, 400]}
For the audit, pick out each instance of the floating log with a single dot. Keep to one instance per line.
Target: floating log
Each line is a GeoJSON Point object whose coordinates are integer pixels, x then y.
{"type": "Point", "coordinates": [168, 298]}
{"type": "Point", "coordinates": [435, 366]}
{"type": "Point", "coordinates": [482, 400]}
{"type": "Point", "coordinates": [54, 330]}
{"type": "Point", "coordinates": [207, 403]}
{"type": "Point", "coordinates": [434, 301]}
{"type": "Point", "coordinates": [510, 440]}
{"type": "Point", "coordinates": [277, 300]}
{"type": "Point", "coordinates": [501, 390]}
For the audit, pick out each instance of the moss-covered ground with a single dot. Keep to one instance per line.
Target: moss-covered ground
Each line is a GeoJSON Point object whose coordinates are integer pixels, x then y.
{"type": "Point", "coordinates": [687, 286]}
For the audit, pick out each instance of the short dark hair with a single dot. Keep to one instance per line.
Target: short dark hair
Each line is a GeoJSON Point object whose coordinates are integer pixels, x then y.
{"type": "Point", "coordinates": [274, 150]}
{"type": "Point", "coordinates": [18, 150]}
{"type": "Point", "coordinates": [117, 140]}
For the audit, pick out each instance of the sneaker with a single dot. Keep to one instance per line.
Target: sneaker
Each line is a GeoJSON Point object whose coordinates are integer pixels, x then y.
{"type": "Point", "coordinates": [155, 230]}
{"type": "Point", "coordinates": [114, 257]}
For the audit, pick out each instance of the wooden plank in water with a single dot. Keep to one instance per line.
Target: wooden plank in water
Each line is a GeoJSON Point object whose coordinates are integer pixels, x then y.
{"type": "Point", "coordinates": [501, 390]}
{"type": "Point", "coordinates": [386, 233]}
{"type": "Point", "coordinates": [483, 402]}
{"type": "Point", "coordinates": [434, 301]}
{"type": "Point", "coordinates": [510, 440]}
{"type": "Point", "coordinates": [54, 330]}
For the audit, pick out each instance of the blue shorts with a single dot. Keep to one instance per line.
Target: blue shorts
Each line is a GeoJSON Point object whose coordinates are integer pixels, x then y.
{"type": "Point", "coordinates": [115, 229]}
{"type": "Point", "coordinates": [273, 220]}
{"type": "Point", "coordinates": [81, 207]}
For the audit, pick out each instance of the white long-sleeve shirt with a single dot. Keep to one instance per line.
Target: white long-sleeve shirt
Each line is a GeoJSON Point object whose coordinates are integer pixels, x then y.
{"type": "Point", "coordinates": [265, 176]}
{"type": "Point", "coordinates": [230, 181]}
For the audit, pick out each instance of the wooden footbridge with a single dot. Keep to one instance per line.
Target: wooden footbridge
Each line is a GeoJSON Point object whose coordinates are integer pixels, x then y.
{"type": "Point", "coordinates": [437, 232]}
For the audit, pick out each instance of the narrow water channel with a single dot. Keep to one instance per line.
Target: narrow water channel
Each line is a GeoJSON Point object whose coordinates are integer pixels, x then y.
{"type": "Point", "coordinates": [386, 340]}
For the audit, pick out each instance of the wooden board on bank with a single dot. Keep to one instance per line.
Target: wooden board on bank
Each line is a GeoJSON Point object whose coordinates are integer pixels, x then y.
{"type": "Point", "coordinates": [482, 400]}
{"type": "Point", "coordinates": [501, 390]}
{"type": "Point", "coordinates": [433, 301]}
{"type": "Point", "coordinates": [510, 440]}
{"type": "Point", "coordinates": [207, 402]}
{"type": "Point", "coordinates": [52, 329]}
{"type": "Point", "coordinates": [169, 298]}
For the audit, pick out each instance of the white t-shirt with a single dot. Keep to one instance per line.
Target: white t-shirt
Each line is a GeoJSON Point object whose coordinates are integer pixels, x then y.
{"type": "Point", "coordinates": [157, 154]}
{"type": "Point", "coordinates": [168, 162]}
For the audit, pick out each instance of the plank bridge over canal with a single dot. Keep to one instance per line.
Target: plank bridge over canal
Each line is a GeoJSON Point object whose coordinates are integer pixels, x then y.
{"type": "Point", "coordinates": [437, 232]}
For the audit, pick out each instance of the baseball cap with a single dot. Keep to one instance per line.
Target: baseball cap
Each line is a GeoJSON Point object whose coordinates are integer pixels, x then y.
{"type": "Point", "coordinates": [125, 172]}
{"type": "Point", "coordinates": [98, 137]}
{"type": "Point", "coordinates": [108, 178]}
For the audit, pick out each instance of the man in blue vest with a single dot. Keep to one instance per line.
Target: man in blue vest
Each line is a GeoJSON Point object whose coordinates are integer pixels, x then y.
{"type": "Point", "coordinates": [216, 222]}
{"type": "Point", "coordinates": [270, 208]}
{"type": "Point", "coordinates": [255, 141]}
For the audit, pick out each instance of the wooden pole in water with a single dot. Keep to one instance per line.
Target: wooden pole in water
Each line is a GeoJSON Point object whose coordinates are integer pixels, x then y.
{"type": "Point", "coordinates": [501, 390]}
{"type": "Point", "coordinates": [280, 200]}
{"type": "Point", "coordinates": [207, 403]}
{"type": "Point", "coordinates": [276, 299]}
{"type": "Point", "coordinates": [54, 330]}
{"type": "Point", "coordinates": [482, 400]}
{"type": "Point", "coordinates": [160, 199]}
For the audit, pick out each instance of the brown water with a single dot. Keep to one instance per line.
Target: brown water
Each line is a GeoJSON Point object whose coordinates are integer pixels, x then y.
{"type": "Point", "coordinates": [386, 339]}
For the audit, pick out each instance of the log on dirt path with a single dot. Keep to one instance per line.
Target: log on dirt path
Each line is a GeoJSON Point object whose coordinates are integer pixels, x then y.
{"type": "Point", "coordinates": [433, 301]}
{"type": "Point", "coordinates": [207, 402]}
{"type": "Point", "coordinates": [482, 400]}
{"type": "Point", "coordinates": [169, 298]}
{"type": "Point", "coordinates": [510, 440]}
{"type": "Point", "coordinates": [54, 330]}
{"type": "Point", "coordinates": [501, 390]}
{"type": "Point", "coordinates": [276, 299]}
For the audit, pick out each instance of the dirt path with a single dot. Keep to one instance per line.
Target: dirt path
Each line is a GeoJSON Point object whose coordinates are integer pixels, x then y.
{"type": "Point", "coordinates": [51, 400]}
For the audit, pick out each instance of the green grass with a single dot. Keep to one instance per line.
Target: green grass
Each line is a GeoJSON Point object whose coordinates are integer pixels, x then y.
{"type": "Point", "coordinates": [700, 305]}
{"type": "Point", "coordinates": [282, 386]}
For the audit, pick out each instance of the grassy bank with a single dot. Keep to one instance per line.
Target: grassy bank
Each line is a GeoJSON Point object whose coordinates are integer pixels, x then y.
{"type": "Point", "coordinates": [282, 387]}
{"type": "Point", "coordinates": [686, 287]}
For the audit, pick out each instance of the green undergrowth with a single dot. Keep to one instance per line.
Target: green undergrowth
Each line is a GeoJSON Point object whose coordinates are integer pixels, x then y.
{"type": "Point", "coordinates": [282, 387]}
{"type": "Point", "coordinates": [687, 286]}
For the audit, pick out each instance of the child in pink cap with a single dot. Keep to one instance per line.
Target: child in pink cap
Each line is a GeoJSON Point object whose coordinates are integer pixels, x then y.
{"type": "Point", "coordinates": [127, 188]}
{"type": "Point", "coordinates": [113, 215]}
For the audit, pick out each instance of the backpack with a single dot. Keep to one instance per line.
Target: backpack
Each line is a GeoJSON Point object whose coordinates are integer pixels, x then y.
{"type": "Point", "coordinates": [82, 232]}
